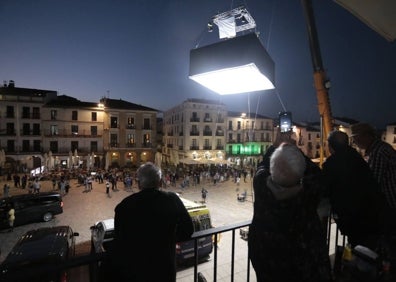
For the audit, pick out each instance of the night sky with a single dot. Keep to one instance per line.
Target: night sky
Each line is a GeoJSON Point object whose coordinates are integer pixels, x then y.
{"type": "Point", "coordinates": [139, 51]}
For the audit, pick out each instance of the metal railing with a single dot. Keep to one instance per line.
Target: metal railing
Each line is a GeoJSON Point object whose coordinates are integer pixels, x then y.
{"type": "Point", "coordinates": [90, 261]}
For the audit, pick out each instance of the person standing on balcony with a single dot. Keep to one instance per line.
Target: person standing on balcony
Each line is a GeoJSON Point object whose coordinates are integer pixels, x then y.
{"type": "Point", "coordinates": [287, 241]}
{"type": "Point", "coordinates": [354, 194]}
{"type": "Point", "coordinates": [381, 158]}
{"type": "Point", "coordinates": [147, 226]}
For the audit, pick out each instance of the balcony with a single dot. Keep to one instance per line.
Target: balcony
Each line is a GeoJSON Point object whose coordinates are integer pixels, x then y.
{"type": "Point", "coordinates": [31, 115]}
{"type": "Point", "coordinates": [207, 148]}
{"type": "Point", "coordinates": [236, 268]}
{"type": "Point", "coordinates": [130, 126]}
{"type": "Point", "coordinates": [194, 133]}
{"type": "Point", "coordinates": [194, 119]}
{"type": "Point", "coordinates": [207, 133]}
{"type": "Point", "coordinates": [207, 119]}
{"type": "Point", "coordinates": [219, 133]}
{"type": "Point", "coordinates": [147, 145]}
{"type": "Point", "coordinates": [194, 147]}
{"type": "Point", "coordinates": [219, 147]}
{"type": "Point", "coordinates": [70, 134]}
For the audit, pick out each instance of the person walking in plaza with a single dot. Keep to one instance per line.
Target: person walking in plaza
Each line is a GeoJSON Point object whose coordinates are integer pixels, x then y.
{"type": "Point", "coordinates": [204, 193]}
{"type": "Point", "coordinates": [36, 186]}
{"type": "Point", "coordinates": [6, 190]}
{"type": "Point", "coordinates": [108, 189]}
{"type": "Point", "coordinates": [11, 218]}
{"type": "Point", "coordinates": [354, 194]}
{"type": "Point", "coordinates": [287, 241]}
{"type": "Point", "coordinates": [147, 226]}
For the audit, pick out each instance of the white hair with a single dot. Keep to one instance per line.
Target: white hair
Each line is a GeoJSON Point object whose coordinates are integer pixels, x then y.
{"type": "Point", "coordinates": [287, 165]}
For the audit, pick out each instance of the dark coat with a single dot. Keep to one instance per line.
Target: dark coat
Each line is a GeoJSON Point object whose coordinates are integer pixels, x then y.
{"type": "Point", "coordinates": [147, 226]}
{"type": "Point", "coordinates": [287, 241]}
{"type": "Point", "coordinates": [354, 196]}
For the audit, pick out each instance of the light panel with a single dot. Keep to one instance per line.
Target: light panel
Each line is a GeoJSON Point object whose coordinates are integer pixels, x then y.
{"type": "Point", "coordinates": [237, 65]}
{"type": "Point", "coordinates": [245, 78]}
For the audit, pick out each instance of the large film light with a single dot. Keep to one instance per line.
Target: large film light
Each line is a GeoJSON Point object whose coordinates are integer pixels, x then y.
{"type": "Point", "coordinates": [237, 65]}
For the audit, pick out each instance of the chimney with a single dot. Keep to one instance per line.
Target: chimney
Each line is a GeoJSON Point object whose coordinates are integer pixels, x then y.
{"type": "Point", "coordinates": [11, 84]}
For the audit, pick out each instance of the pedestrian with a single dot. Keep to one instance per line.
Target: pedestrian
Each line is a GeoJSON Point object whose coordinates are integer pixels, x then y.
{"type": "Point", "coordinates": [11, 218]}
{"type": "Point", "coordinates": [145, 243]}
{"type": "Point", "coordinates": [287, 241]}
{"type": "Point", "coordinates": [354, 194]}
{"type": "Point", "coordinates": [204, 192]}
{"type": "Point", "coordinates": [54, 183]}
{"type": "Point", "coordinates": [6, 190]}
{"type": "Point", "coordinates": [36, 186]}
{"type": "Point", "coordinates": [62, 187]}
{"type": "Point", "coordinates": [108, 188]}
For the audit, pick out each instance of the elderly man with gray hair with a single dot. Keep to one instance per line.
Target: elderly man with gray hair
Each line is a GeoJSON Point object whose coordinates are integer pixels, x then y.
{"type": "Point", "coordinates": [286, 240]}
{"type": "Point", "coordinates": [147, 226]}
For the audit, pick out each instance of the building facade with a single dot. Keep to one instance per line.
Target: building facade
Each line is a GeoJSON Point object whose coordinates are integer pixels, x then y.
{"type": "Point", "coordinates": [194, 132]}
{"type": "Point", "coordinates": [44, 131]}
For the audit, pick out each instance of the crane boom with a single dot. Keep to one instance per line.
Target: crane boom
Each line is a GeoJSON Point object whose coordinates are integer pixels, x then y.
{"type": "Point", "coordinates": [321, 81]}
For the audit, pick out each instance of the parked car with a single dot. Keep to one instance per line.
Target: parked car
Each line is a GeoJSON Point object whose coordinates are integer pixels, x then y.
{"type": "Point", "coordinates": [102, 235]}
{"type": "Point", "coordinates": [37, 253]}
{"type": "Point", "coordinates": [31, 208]}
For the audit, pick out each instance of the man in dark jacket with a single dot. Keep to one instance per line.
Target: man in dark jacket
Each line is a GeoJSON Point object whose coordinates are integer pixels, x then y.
{"type": "Point", "coordinates": [354, 194]}
{"type": "Point", "coordinates": [147, 226]}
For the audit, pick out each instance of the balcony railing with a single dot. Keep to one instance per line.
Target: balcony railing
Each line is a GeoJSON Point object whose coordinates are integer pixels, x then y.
{"type": "Point", "coordinates": [86, 264]}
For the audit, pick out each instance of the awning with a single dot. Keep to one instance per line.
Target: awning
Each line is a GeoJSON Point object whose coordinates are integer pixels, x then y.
{"type": "Point", "coordinates": [380, 15]}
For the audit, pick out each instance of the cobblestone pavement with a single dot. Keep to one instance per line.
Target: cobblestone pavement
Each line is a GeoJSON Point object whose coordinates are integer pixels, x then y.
{"type": "Point", "coordinates": [81, 210]}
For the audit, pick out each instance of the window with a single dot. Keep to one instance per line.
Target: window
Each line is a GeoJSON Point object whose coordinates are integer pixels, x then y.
{"type": "Point", "coordinates": [74, 146]}
{"type": "Point", "coordinates": [113, 140]}
{"type": "Point", "coordinates": [25, 112]}
{"type": "Point", "coordinates": [239, 124]}
{"type": "Point", "coordinates": [74, 129]}
{"type": "Point", "coordinates": [207, 144]}
{"type": "Point", "coordinates": [54, 114]}
{"type": "Point", "coordinates": [10, 112]}
{"type": "Point", "coordinates": [36, 113]}
{"type": "Point", "coordinates": [54, 146]}
{"type": "Point", "coordinates": [114, 122]}
{"type": "Point", "coordinates": [146, 123]}
{"type": "Point", "coordinates": [146, 139]}
{"type": "Point", "coordinates": [94, 146]}
{"type": "Point", "coordinates": [74, 115]}
{"type": "Point", "coordinates": [10, 129]}
{"type": "Point", "coordinates": [94, 130]}
{"type": "Point", "coordinates": [36, 145]}
{"type": "Point", "coordinates": [230, 125]}
{"type": "Point", "coordinates": [130, 140]}
{"type": "Point", "coordinates": [131, 123]}
{"type": "Point", "coordinates": [54, 130]}
{"type": "Point", "coordinates": [26, 129]}
{"type": "Point", "coordinates": [36, 129]}
{"type": "Point", "coordinates": [25, 145]}
{"type": "Point", "coordinates": [10, 145]}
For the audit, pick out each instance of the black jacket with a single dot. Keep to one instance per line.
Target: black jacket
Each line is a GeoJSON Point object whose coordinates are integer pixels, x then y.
{"type": "Point", "coordinates": [147, 226]}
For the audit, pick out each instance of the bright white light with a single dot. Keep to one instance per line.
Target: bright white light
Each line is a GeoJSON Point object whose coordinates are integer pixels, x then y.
{"type": "Point", "coordinates": [246, 78]}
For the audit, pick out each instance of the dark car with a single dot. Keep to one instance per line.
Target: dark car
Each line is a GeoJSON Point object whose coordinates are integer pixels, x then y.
{"type": "Point", "coordinates": [37, 254]}
{"type": "Point", "coordinates": [31, 208]}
